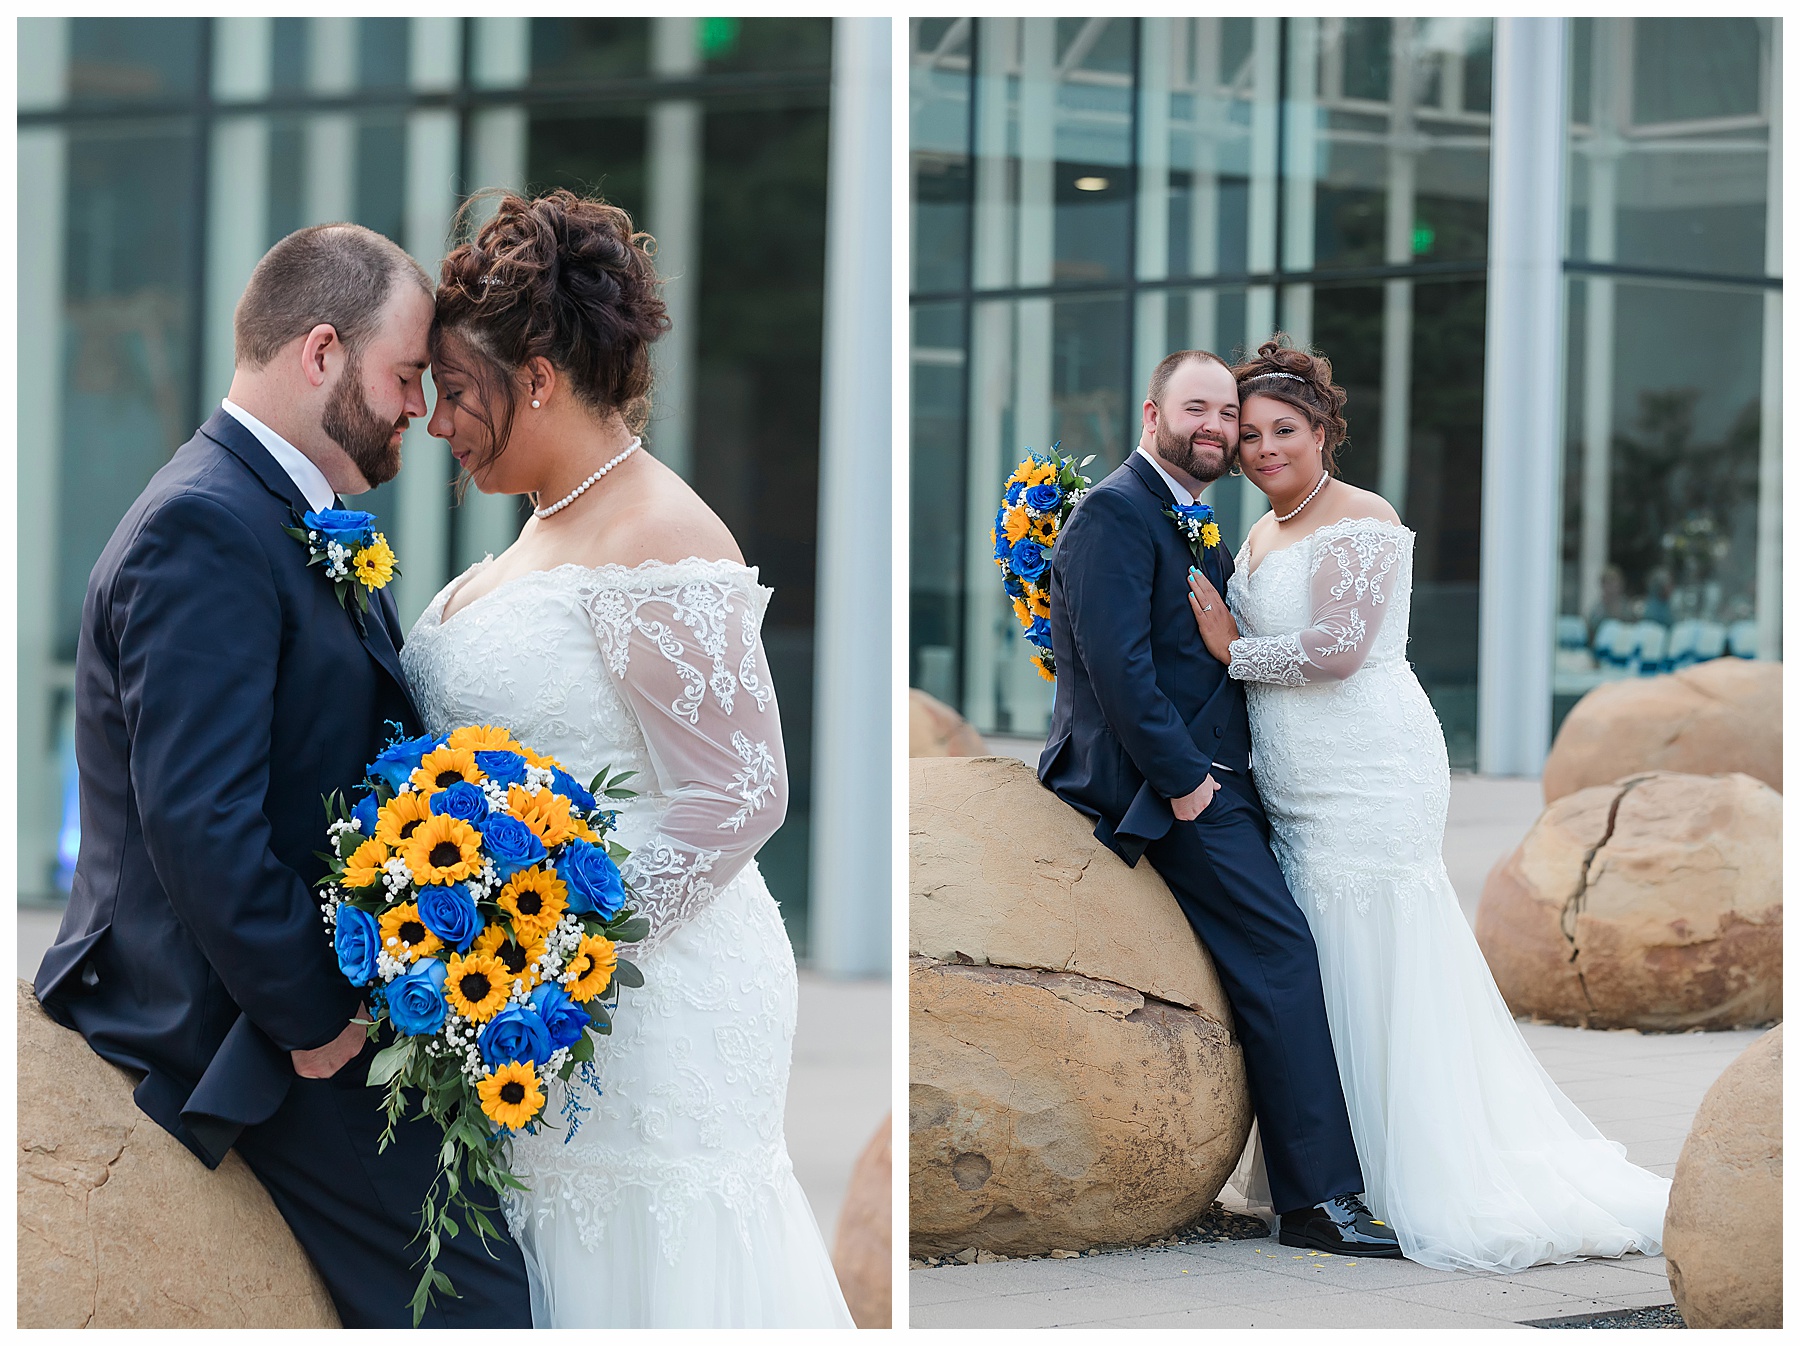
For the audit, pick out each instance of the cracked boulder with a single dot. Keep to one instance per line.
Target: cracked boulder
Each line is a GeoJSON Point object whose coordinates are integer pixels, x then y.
{"type": "Point", "coordinates": [1652, 903]}
{"type": "Point", "coordinates": [1074, 1078]}
{"type": "Point", "coordinates": [1722, 1235]}
{"type": "Point", "coordinates": [1722, 715]}
{"type": "Point", "coordinates": [935, 730]}
{"type": "Point", "coordinates": [119, 1226]}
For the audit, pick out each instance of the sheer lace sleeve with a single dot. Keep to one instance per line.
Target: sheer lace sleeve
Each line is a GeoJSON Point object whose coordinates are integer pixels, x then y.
{"type": "Point", "coordinates": [1350, 575]}
{"type": "Point", "coordinates": [689, 660]}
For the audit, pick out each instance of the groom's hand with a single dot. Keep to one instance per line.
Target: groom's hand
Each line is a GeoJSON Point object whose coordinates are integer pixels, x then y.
{"type": "Point", "coordinates": [321, 1063]}
{"type": "Point", "coordinates": [1191, 806]}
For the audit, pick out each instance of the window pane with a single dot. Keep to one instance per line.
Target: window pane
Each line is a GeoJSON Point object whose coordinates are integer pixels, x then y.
{"type": "Point", "coordinates": [940, 153]}
{"type": "Point", "coordinates": [589, 49]}
{"type": "Point", "coordinates": [150, 59]}
{"type": "Point", "coordinates": [1671, 170]}
{"type": "Point", "coordinates": [129, 339]}
{"type": "Point", "coordinates": [939, 392]}
{"type": "Point", "coordinates": [1663, 472]}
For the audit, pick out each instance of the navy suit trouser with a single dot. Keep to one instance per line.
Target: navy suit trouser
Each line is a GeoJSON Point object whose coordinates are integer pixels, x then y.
{"type": "Point", "coordinates": [355, 1209]}
{"type": "Point", "coordinates": [1221, 871]}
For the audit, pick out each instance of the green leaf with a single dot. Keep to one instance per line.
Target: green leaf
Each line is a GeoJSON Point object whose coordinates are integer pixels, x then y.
{"type": "Point", "coordinates": [630, 932]}
{"type": "Point", "coordinates": [390, 1061]}
{"type": "Point", "coordinates": [583, 1048]}
{"type": "Point", "coordinates": [627, 974]}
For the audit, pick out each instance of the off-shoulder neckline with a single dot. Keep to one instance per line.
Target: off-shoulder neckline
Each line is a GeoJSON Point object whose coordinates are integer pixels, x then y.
{"type": "Point", "coordinates": [1365, 519]}
{"type": "Point", "coordinates": [611, 570]}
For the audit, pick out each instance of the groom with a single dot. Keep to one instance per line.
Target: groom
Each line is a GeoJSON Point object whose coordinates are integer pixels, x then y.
{"type": "Point", "coordinates": [1150, 738]}
{"type": "Point", "coordinates": [221, 691]}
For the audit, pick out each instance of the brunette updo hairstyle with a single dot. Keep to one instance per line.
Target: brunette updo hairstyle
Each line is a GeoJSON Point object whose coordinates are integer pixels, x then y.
{"type": "Point", "coordinates": [560, 277]}
{"type": "Point", "coordinates": [1302, 379]}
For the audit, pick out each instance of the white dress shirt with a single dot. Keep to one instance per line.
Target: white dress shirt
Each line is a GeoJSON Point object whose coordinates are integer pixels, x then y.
{"type": "Point", "coordinates": [1183, 496]}
{"type": "Point", "coordinates": [303, 470]}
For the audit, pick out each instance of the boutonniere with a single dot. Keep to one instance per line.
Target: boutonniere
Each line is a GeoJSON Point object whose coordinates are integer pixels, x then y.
{"type": "Point", "coordinates": [1196, 525]}
{"type": "Point", "coordinates": [357, 559]}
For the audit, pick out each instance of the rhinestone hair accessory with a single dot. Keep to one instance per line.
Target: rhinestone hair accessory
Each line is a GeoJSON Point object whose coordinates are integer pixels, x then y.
{"type": "Point", "coordinates": [1278, 374]}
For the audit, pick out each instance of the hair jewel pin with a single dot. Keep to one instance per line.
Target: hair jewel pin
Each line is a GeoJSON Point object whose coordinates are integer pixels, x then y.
{"type": "Point", "coordinates": [1280, 374]}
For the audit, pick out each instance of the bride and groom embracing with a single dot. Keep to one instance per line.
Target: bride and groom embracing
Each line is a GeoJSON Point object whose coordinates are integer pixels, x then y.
{"type": "Point", "coordinates": [223, 688]}
{"type": "Point", "coordinates": [1399, 1109]}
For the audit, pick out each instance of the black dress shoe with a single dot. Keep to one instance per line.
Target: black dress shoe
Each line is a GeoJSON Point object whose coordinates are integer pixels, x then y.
{"type": "Point", "coordinates": [1340, 1225]}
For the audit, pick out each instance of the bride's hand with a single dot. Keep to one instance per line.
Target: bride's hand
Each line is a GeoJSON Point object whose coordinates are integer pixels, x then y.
{"type": "Point", "coordinates": [1218, 628]}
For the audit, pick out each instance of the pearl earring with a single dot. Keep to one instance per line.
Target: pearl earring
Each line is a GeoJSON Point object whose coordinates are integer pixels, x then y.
{"type": "Point", "coordinates": [535, 402]}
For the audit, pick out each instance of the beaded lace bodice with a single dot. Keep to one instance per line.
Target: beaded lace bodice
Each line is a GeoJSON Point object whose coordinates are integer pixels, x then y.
{"type": "Point", "coordinates": [657, 669]}
{"type": "Point", "coordinates": [1339, 727]}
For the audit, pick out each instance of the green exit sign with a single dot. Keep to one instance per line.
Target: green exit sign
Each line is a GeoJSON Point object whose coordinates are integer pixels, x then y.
{"type": "Point", "coordinates": [719, 36]}
{"type": "Point", "coordinates": [1423, 237]}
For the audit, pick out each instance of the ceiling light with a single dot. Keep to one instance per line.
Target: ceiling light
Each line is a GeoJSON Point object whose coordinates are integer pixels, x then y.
{"type": "Point", "coordinates": [1090, 184]}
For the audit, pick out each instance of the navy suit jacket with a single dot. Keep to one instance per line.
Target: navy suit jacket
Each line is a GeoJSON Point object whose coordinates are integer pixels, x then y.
{"type": "Point", "coordinates": [220, 693]}
{"type": "Point", "coordinates": [1142, 710]}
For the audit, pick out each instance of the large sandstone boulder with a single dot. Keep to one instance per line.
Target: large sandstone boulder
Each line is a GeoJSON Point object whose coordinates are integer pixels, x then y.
{"type": "Point", "coordinates": [862, 1252]}
{"type": "Point", "coordinates": [1723, 715]}
{"type": "Point", "coordinates": [1652, 903]}
{"type": "Point", "coordinates": [1722, 1236]}
{"type": "Point", "coordinates": [935, 730]}
{"type": "Point", "coordinates": [119, 1226]}
{"type": "Point", "coordinates": [1074, 1078]}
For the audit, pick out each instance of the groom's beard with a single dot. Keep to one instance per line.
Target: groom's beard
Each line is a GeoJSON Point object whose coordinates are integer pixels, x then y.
{"type": "Point", "coordinates": [1202, 459]}
{"type": "Point", "coordinates": [359, 432]}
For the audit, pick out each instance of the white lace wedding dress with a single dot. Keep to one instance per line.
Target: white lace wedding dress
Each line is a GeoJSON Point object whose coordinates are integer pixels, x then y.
{"type": "Point", "coordinates": [674, 1203]}
{"type": "Point", "coordinates": [1469, 1150]}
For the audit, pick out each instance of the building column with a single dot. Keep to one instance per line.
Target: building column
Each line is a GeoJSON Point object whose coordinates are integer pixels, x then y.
{"type": "Point", "coordinates": [489, 524]}
{"type": "Point", "coordinates": [1522, 400]}
{"type": "Point", "coordinates": [330, 192]}
{"type": "Point", "coordinates": [1157, 60]}
{"type": "Point", "coordinates": [672, 170]}
{"type": "Point", "coordinates": [237, 213]}
{"type": "Point", "coordinates": [1259, 301]}
{"type": "Point", "coordinates": [1206, 110]}
{"type": "Point", "coordinates": [1299, 203]}
{"type": "Point", "coordinates": [1397, 315]}
{"type": "Point", "coordinates": [43, 199]}
{"type": "Point", "coordinates": [856, 754]}
{"type": "Point", "coordinates": [422, 503]}
{"type": "Point", "coordinates": [1768, 498]}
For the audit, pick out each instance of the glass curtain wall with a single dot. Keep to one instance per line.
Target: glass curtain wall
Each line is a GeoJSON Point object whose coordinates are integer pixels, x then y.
{"type": "Point", "coordinates": [158, 160]}
{"type": "Point", "coordinates": [1672, 454]}
{"type": "Point", "coordinates": [1091, 194]}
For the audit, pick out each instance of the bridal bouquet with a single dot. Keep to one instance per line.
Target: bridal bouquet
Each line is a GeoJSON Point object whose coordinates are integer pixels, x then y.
{"type": "Point", "coordinates": [474, 893]}
{"type": "Point", "coordinates": [1038, 496]}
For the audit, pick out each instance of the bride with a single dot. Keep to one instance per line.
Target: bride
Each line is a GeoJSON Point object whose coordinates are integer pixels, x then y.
{"type": "Point", "coordinates": [622, 630]}
{"type": "Point", "coordinates": [1470, 1152]}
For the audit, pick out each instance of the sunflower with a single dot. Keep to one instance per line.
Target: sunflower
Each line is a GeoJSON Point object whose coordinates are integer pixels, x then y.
{"type": "Point", "coordinates": [364, 865]}
{"type": "Point", "coordinates": [445, 766]}
{"type": "Point", "coordinates": [476, 986]}
{"type": "Point", "coordinates": [404, 935]}
{"type": "Point", "coordinates": [442, 850]}
{"type": "Point", "coordinates": [1044, 530]}
{"type": "Point", "coordinates": [398, 818]}
{"type": "Point", "coordinates": [512, 1095]}
{"type": "Point", "coordinates": [1040, 603]}
{"type": "Point", "coordinates": [482, 738]}
{"type": "Point", "coordinates": [546, 813]}
{"type": "Point", "coordinates": [374, 564]}
{"type": "Point", "coordinates": [1043, 672]}
{"type": "Point", "coordinates": [1040, 473]}
{"type": "Point", "coordinates": [1018, 523]}
{"type": "Point", "coordinates": [1209, 535]}
{"type": "Point", "coordinates": [578, 828]}
{"type": "Point", "coordinates": [536, 900]}
{"type": "Point", "coordinates": [590, 971]}
{"type": "Point", "coordinates": [516, 959]}
{"type": "Point", "coordinates": [537, 759]}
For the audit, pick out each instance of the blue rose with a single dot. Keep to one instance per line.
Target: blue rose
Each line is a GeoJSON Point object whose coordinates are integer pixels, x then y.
{"type": "Point", "coordinates": [516, 1033]}
{"type": "Point", "coordinates": [511, 845]}
{"type": "Point", "coordinates": [1002, 548]}
{"type": "Point", "coordinates": [506, 767]}
{"type": "Point", "coordinates": [573, 790]}
{"type": "Point", "coordinates": [346, 527]}
{"type": "Point", "coordinates": [592, 879]}
{"type": "Point", "coordinates": [415, 999]}
{"type": "Point", "coordinates": [463, 801]}
{"type": "Point", "coordinates": [564, 1020]}
{"type": "Point", "coordinates": [1013, 588]}
{"type": "Point", "coordinates": [1029, 560]}
{"type": "Point", "coordinates": [364, 814]}
{"type": "Point", "coordinates": [1039, 634]}
{"type": "Point", "coordinates": [400, 759]}
{"type": "Point", "coordinates": [448, 912]}
{"type": "Point", "coordinates": [1044, 498]}
{"type": "Point", "coordinates": [358, 940]}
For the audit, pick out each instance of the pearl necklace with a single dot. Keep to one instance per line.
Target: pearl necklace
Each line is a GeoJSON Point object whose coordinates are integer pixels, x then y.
{"type": "Point", "coordinates": [570, 498]}
{"type": "Point", "coordinates": [1283, 518]}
